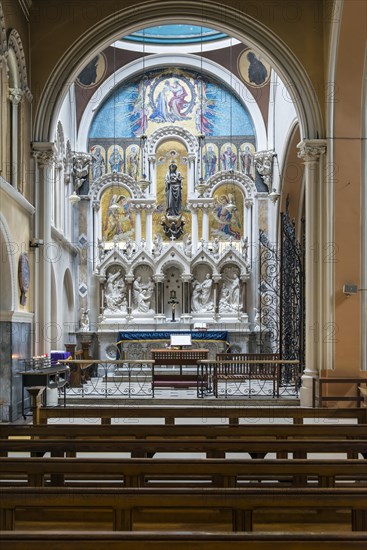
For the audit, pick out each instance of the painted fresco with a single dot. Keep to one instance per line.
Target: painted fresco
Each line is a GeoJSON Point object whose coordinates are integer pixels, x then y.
{"type": "Point", "coordinates": [254, 70]}
{"type": "Point", "coordinates": [118, 220]}
{"type": "Point", "coordinates": [115, 156]}
{"type": "Point", "coordinates": [227, 215]}
{"type": "Point", "coordinates": [210, 160]}
{"type": "Point", "coordinates": [98, 165]}
{"type": "Point", "coordinates": [133, 161]}
{"type": "Point", "coordinates": [169, 153]}
{"type": "Point", "coordinates": [228, 157]}
{"type": "Point", "coordinates": [172, 96]}
{"type": "Point", "coordinates": [247, 160]}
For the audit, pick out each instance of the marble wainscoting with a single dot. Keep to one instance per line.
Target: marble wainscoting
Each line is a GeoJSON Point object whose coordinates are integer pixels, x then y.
{"type": "Point", "coordinates": [15, 344]}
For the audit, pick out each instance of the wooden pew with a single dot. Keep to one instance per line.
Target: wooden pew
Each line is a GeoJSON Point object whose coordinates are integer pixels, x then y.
{"type": "Point", "coordinates": [38, 472]}
{"type": "Point", "coordinates": [231, 413]}
{"type": "Point", "coordinates": [128, 506]}
{"type": "Point", "coordinates": [158, 540]}
{"type": "Point", "coordinates": [256, 447]}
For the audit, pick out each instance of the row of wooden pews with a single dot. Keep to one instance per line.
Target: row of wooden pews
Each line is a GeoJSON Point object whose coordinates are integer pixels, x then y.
{"type": "Point", "coordinates": [242, 483]}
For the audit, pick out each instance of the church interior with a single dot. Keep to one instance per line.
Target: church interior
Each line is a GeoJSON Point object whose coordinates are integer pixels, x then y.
{"type": "Point", "coordinates": [183, 239]}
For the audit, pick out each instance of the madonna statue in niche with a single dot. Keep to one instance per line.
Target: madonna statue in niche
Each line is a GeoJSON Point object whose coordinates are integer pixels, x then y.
{"type": "Point", "coordinates": [173, 222]}
{"type": "Point", "coordinates": [173, 190]}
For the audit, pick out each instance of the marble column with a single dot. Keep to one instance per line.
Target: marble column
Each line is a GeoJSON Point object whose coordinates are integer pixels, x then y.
{"type": "Point", "coordinates": [216, 278]}
{"type": "Point", "coordinates": [205, 232]}
{"type": "Point", "coordinates": [312, 152]}
{"type": "Point", "coordinates": [137, 225]}
{"type": "Point", "coordinates": [152, 175]}
{"type": "Point", "coordinates": [44, 155]}
{"type": "Point", "coordinates": [195, 230]}
{"type": "Point", "coordinates": [15, 95]}
{"type": "Point", "coordinates": [148, 228]}
{"type": "Point", "coordinates": [129, 279]}
{"type": "Point", "coordinates": [159, 302]}
{"type": "Point", "coordinates": [191, 174]}
{"type": "Point", "coordinates": [186, 298]}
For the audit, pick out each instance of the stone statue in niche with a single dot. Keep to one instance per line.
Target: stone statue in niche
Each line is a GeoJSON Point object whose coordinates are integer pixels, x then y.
{"type": "Point", "coordinates": [201, 300]}
{"type": "Point", "coordinates": [84, 320]}
{"type": "Point", "coordinates": [229, 297]}
{"type": "Point", "coordinates": [173, 222]}
{"type": "Point", "coordinates": [115, 293]}
{"type": "Point", "coordinates": [244, 247]}
{"type": "Point", "coordinates": [216, 248]}
{"type": "Point", "coordinates": [129, 248]}
{"type": "Point", "coordinates": [101, 250]}
{"type": "Point", "coordinates": [80, 170]}
{"type": "Point", "coordinates": [188, 246]}
{"type": "Point", "coordinates": [142, 295]}
{"type": "Point", "coordinates": [173, 188]}
{"type": "Point", "coordinates": [157, 245]}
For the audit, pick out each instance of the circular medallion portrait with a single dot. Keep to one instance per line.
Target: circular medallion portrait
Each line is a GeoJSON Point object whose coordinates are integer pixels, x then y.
{"type": "Point", "coordinates": [254, 70]}
{"type": "Point", "coordinates": [171, 98]}
{"type": "Point", "coordinates": [94, 72]}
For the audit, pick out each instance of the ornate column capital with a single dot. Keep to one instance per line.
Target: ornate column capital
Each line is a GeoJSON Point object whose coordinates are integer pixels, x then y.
{"type": "Point", "coordinates": [44, 152]}
{"type": "Point", "coordinates": [217, 277]}
{"type": "Point", "coordinates": [152, 160]}
{"type": "Point", "coordinates": [159, 278]}
{"type": "Point", "coordinates": [96, 205]}
{"type": "Point", "coordinates": [186, 277]}
{"type": "Point", "coordinates": [249, 203]}
{"type": "Point", "coordinates": [264, 165]}
{"type": "Point", "coordinates": [191, 158]}
{"type": "Point", "coordinates": [15, 95]}
{"type": "Point", "coordinates": [310, 150]}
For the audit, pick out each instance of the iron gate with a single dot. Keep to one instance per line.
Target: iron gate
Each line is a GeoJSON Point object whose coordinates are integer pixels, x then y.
{"type": "Point", "coordinates": [282, 292]}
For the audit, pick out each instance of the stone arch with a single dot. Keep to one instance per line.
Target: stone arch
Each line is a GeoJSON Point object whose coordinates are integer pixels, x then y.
{"type": "Point", "coordinates": [15, 45]}
{"type": "Point", "coordinates": [8, 287]}
{"type": "Point", "coordinates": [172, 132]}
{"type": "Point", "coordinates": [3, 43]}
{"type": "Point", "coordinates": [191, 62]}
{"type": "Point", "coordinates": [236, 23]}
{"type": "Point", "coordinates": [108, 180]}
{"type": "Point", "coordinates": [238, 179]}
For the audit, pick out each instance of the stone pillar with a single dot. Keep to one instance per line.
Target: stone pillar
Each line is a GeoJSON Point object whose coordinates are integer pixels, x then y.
{"type": "Point", "coordinates": [205, 231]}
{"type": "Point", "coordinates": [159, 301]}
{"type": "Point", "coordinates": [195, 229]}
{"type": "Point", "coordinates": [152, 175]}
{"type": "Point", "coordinates": [312, 153]}
{"type": "Point", "coordinates": [216, 278]}
{"type": "Point", "coordinates": [15, 95]}
{"type": "Point", "coordinates": [44, 154]}
{"type": "Point", "coordinates": [148, 229]}
{"type": "Point", "coordinates": [186, 316]}
{"type": "Point", "coordinates": [191, 174]}
{"type": "Point", "coordinates": [129, 279]}
{"type": "Point", "coordinates": [137, 225]}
